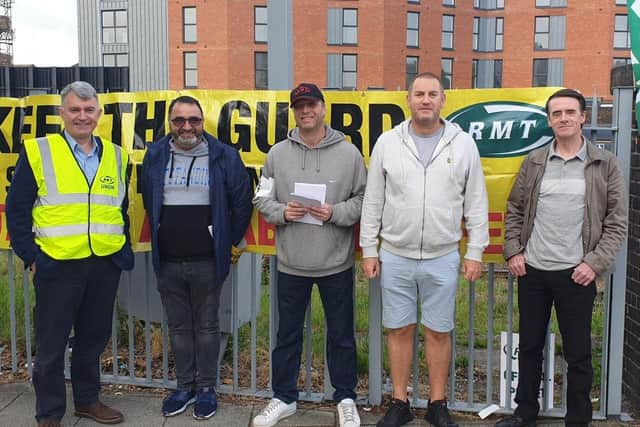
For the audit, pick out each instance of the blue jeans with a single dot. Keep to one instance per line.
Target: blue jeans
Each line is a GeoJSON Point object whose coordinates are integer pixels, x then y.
{"type": "Point", "coordinates": [294, 292]}
{"type": "Point", "coordinates": [78, 294]}
{"type": "Point", "coordinates": [537, 292]}
{"type": "Point", "coordinates": [191, 298]}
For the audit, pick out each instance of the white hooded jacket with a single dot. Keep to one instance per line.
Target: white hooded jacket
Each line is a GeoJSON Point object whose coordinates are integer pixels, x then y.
{"type": "Point", "coordinates": [417, 211]}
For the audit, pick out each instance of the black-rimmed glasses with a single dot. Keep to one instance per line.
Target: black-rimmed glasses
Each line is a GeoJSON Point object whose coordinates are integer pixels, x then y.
{"type": "Point", "coordinates": [180, 121]}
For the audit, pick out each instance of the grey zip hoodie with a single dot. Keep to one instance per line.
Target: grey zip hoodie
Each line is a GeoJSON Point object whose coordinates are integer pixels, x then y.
{"type": "Point", "coordinates": [305, 249]}
{"type": "Point", "coordinates": [416, 211]}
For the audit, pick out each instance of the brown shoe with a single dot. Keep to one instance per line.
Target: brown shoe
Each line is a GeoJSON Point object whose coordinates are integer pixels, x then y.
{"type": "Point", "coordinates": [99, 412]}
{"type": "Point", "coordinates": [49, 423]}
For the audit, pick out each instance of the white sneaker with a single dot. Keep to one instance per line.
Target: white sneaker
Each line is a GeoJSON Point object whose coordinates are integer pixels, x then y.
{"type": "Point", "coordinates": [275, 411]}
{"type": "Point", "coordinates": [348, 413]}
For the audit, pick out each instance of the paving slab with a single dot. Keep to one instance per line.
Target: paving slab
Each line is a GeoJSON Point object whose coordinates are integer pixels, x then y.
{"type": "Point", "coordinates": [228, 415]}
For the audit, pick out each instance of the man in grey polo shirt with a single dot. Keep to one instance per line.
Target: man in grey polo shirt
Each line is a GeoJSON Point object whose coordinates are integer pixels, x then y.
{"type": "Point", "coordinates": [566, 220]}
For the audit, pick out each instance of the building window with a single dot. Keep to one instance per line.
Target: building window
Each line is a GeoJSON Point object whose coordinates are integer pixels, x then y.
{"type": "Point", "coordinates": [486, 73]}
{"type": "Point", "coordinates": [488, 4]}
{"type": "Point", "coordinates": [413, 1]}
{"type": "Point", "coordinates": [621, 61]}
{"type": "Point", "coordinates": [261, 63]}
{"type": "Point", "coordinates": [447, 31]}
{"type": "Point", "coordinates": [413, 29]}
{"type": "Point", "coordinates": [550, 32]}
{"type": "Point", "coordinates": [621, 2]}
{"type": "Point", "coordinates": [342, 26]}
{"type": "Point", "coordinates": [621, 35]}
{"type": "Point", "coordinates": [488, 34]}
{"type": "Point", "coordinates": [342, 71]}
{"type": "Point", "coordinates": [412, 69]}
{"type": "Point", "coordinates": [548, 72]}
{"type": "Point", "coordinates": [446, 74]}
{"type": "Point", "coordinates": [189, 27]}
{"type": "Point", "coordinates": [260, 24]}
{"type": "Point", "coordinates": [450, 3]}
{"type": "Point", "coordinates": [115, 60]}
{"type": "Point", "coordinates": [190, 69]}
{"type": "Point", "coordinates": [114, 26]}
{"type": "Point", "coordinates": [551, 3]}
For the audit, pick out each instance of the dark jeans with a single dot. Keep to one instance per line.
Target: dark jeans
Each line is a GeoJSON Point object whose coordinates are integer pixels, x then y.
{"type": "Point", "coordinates": [191, 299]}
{"type": "Point", "coordinates": [78, 294]}
{"type": "Point", "coordinates": [537, 292]}
{"type": "Point", "coordinates": [294, 292]}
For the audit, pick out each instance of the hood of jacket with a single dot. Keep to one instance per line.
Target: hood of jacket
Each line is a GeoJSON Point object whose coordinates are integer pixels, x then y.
{"type": "Point", "coordinates": [451, 130]}
{"type": "Point", "coordinates": [331, 137]}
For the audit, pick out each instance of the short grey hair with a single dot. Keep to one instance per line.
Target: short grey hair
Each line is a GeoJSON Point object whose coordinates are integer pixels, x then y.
{"type": "Point", "coordinates": [82, 90]}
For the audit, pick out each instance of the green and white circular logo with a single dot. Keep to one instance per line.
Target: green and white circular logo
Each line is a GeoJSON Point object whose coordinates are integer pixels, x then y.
{"type": "Point", "coordinates": [504, 128]}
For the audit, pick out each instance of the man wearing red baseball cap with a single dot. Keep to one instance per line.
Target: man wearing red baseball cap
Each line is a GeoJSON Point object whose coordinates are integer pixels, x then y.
{"type": "Point", "coordinates": [314, 242]}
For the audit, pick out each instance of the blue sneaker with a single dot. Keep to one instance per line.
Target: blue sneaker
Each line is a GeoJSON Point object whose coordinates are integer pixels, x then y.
{"type": "Point", "coordinates": [206, 404]}
{"type": "Point", "coordinates": [177, 402]}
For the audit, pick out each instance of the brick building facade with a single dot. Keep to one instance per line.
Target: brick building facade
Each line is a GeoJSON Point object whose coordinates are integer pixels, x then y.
{"type": "Point", "coordinates": [361, 44]}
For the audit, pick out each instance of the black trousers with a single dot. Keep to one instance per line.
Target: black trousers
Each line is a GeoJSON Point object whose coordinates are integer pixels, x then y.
{"type": "Point", "coordinates": [294, 293]}
{"type": "Point", "coordinates": [78, 294]}
{"type": "Point", "coordinates": [537, 291]}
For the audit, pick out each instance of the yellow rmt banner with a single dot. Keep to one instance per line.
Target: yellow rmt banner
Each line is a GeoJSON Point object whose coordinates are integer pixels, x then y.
{"type": "Point", "coordinates": [505, 123]}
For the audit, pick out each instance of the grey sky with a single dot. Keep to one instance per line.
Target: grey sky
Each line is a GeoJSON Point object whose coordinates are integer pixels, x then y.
{"type": "Point", "coordinates": [45, 32]}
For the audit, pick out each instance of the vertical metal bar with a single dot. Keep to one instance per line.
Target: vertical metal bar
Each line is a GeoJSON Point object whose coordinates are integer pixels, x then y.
{"type": "Point", "coordinates": [509, 372]}
{"type": "Point", "coordinates": [114, 340]}
{"type": "Point", "coordinates": [622, 112]}
{"type": "Point", "coordinates": [130, 327]}
{"type": "Point", "coordinates": [255, 288]}
{"type": "Point", "coordinates": [234, 323]}
{"type": "Point", "coordinates": [307, 349]}
{"type": "Point", "coordinates": [12, 311]}
{"type": "Point", "coordinates": [375, 342]}
{"type": "Point", "coordinates": [415, 383]}
{"type": "Point", "coordinates": [490, 309]}
{"type": "Point", "coordinates": [165, 347]}
{"type": "Point", "coordinates": [273, 311]}
{"type": "Point", "coordinates": [547, 372]}
{"type": "Point", "coordinates": [147, 314]}
{"type": "Point", "coordinates": [27, 321]}
{"type": "Point", "coordinates": [452, 364]}
{"type": "Point", "coordinates": [471, 342]}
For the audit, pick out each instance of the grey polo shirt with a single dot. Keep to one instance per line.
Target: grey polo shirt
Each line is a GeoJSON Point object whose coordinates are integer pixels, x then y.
{"type": "Point", "coordinates": [556, 239]}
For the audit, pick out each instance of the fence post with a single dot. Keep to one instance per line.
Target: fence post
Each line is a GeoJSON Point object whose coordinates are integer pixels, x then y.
{"type": "Point", "coordinates": [375, 342]}
{"type": "Point", "coordinates": [622, 115]}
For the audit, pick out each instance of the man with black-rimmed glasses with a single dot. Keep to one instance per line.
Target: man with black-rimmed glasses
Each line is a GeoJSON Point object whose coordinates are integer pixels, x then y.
{"type": "Point", "coordinates": [197, 195]}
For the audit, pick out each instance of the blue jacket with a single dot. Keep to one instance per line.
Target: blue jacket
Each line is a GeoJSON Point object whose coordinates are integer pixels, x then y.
{"type": "Point", "coordinates": [20, 198]}
{"type": "Point", "coordinates": [230, 197]}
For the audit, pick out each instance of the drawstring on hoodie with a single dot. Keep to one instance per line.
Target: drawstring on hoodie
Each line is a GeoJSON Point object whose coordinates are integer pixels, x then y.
{"type": "Point", "coordinates": [303, 159]}
{"type": "Point", "coordinates": [193, 160]}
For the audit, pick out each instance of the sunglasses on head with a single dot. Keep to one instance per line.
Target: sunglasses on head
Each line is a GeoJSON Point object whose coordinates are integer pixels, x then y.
{"type": "Point", "coordinates": [180, 121]}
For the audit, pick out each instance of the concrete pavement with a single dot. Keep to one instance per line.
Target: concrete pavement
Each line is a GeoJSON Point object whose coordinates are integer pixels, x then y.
{"type": "Point", "coordinates": [17, 403]}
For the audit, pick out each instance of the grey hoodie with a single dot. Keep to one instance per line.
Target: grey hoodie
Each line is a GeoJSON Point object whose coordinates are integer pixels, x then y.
{"type": "Point", "coordinates": [416, 211]}
{"type": "Point", "coordinates": [305, 249]}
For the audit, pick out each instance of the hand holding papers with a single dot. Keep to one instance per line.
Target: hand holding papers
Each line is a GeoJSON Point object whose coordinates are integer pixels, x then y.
{"type": "Point", "coordinates": [309, 195]}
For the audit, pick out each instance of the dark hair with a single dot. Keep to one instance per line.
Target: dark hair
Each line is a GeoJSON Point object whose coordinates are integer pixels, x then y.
{"type": "Point", "coordinates": [185, 99]}
{"type": "Point", "coordinates": [568, 93]}
{"type": "Point", "coordinates": [426, 75]}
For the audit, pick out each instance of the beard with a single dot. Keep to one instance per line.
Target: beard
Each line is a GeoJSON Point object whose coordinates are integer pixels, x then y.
{"type": "Point", "coordinates": [187, 142]}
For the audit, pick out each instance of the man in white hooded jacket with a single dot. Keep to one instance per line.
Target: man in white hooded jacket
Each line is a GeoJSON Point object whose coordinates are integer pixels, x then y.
{"type": "Point", "coordinates": [424, 177]}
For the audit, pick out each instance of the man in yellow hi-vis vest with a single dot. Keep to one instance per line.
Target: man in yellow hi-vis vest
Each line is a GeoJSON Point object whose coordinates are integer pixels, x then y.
{"type": "Point", "coordinates": [66, 215]}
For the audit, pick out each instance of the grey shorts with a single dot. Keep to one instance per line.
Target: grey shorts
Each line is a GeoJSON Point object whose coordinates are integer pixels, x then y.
{"type": "Point", "coordinates": [433, 282]}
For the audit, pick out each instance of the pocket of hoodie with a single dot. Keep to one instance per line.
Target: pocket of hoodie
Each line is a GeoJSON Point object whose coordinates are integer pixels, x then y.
{"type": "Point", "coordinates": [442, 225]}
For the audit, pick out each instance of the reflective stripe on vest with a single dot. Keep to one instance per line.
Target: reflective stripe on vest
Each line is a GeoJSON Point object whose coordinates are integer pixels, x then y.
{"type": "Point", "coordinates": [71, 220]}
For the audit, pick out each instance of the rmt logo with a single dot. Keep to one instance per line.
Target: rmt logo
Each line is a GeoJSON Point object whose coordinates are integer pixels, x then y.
{"type": "Point", "coordinates": [504, 129]}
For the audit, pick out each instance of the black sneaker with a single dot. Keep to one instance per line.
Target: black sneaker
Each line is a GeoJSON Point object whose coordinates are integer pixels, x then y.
{"type": "Point", "coordinates": [438, 414]}
{"type": "Point", "coordinates": [399, 413]}
{"type": "Point", "coordinates": [515, 421]}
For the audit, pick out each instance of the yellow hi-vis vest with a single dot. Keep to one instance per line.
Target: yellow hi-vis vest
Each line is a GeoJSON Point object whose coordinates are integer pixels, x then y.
{"type": "Point", "coordinates": [70, 219]}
